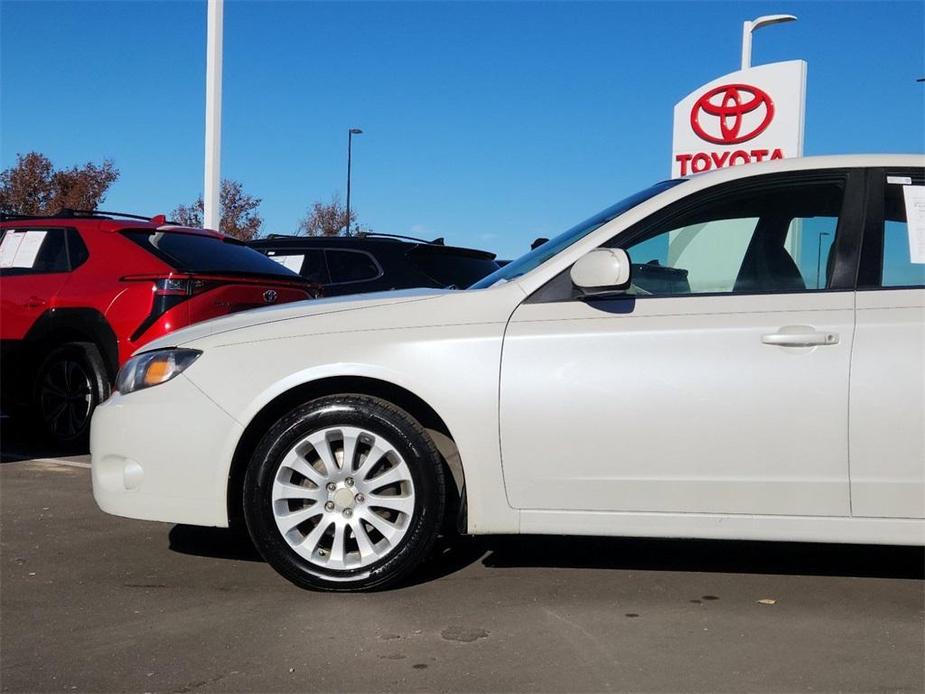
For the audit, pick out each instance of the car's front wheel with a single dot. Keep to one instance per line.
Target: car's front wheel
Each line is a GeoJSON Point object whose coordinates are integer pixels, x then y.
{"type": "Point", "coordinates": [344, 493]}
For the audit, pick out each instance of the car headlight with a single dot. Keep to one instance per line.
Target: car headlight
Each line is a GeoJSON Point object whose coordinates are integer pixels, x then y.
{"type": "Point", "coordinates": [153, 368]}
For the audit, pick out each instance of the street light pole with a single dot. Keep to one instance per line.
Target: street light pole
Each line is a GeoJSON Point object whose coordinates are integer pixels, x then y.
{"type": "Point", "coordinates": [755, 24]}
{"type": "Point", "coordinates": [350, 134]}
{"type": "Point", "coordinates": [211, 189]}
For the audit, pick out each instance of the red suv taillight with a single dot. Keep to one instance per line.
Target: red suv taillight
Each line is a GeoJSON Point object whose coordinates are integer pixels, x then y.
{"type": "Point", "coordinates": [169, 291]}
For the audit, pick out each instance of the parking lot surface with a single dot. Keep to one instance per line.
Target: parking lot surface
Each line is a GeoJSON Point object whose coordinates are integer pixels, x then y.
{"type": "Point", "coordinates": [91, 602]}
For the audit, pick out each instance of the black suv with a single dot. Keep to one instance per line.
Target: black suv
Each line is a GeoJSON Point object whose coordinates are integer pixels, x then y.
{"type": "Point", "coordinates": [372, 262]}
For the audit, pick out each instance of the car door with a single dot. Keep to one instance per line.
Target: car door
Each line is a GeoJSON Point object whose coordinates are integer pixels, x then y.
{"type": "Point", "coordinates": [34, 267]}
{"type": "Point", "coordinates": [717, 384]}
{"type": "Point", "coordinates": [888, 364]}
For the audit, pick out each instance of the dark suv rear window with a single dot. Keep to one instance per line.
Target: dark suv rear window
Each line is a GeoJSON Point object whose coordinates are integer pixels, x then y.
{"type": "Point", "coordinates": [452, 268]}
{"type": "Point", "coordinates": [207, 254]}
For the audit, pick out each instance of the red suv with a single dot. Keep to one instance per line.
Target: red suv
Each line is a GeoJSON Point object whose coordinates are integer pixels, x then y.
{"type": "Point", "coordinates": [81, 291]}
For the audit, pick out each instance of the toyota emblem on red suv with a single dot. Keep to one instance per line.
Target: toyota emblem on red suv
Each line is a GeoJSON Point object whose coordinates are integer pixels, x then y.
{"type": "Point", "coordinates": [270, 296]}
{"type": "Point", "coordinates": [725, 106]}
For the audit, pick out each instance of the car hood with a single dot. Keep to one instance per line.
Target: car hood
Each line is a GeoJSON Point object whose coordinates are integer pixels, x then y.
{"type": "Point", "coordinates": [290, 311]}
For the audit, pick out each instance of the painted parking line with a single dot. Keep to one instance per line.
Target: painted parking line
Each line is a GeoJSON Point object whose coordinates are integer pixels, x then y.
{"type": "Point", "coordinates": [50, 461]}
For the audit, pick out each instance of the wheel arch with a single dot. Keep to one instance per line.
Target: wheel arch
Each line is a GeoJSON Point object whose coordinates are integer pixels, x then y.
{"type": "Point", "coordinates": [60, 325]}
{"type": "Point", "coordinates": [397, 395]}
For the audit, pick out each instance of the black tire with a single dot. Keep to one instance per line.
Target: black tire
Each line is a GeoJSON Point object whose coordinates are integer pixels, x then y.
{"type": "Point", "coordinates": [382, 419]}
{"type": "Point", "coordinates": [70, 382]}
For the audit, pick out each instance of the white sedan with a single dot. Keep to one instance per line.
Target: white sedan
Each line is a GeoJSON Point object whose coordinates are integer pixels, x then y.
{"type": "Point", "coordinates": [734, 355]}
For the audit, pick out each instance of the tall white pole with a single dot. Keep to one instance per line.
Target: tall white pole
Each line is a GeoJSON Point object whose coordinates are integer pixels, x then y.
{"type": "Point", "coordinates": [754, 25]}
{"type": "Point", "coordinates": [212, 188]}
{"type": "Point", "coordinates": [746, 45]}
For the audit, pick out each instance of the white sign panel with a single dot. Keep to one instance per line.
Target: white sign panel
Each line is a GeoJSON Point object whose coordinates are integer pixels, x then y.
{"type": "Point", "coordinates": [746, 116]}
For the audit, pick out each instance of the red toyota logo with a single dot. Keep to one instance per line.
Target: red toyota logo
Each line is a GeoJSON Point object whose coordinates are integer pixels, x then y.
{"type": "Point", "coordinates": [733, 103]}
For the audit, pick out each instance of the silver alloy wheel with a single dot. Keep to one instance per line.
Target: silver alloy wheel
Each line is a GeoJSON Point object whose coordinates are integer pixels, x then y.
{"type": "Point", "coordinates": [343, 498]}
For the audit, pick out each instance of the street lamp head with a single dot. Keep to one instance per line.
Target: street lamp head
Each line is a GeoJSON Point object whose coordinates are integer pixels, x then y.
{"type": "Point", "coordinates": [356, 131]}
{"type": "Point", "coordinates": [749, 26]}
{"type": "Point", "coordinates": [769, 19]}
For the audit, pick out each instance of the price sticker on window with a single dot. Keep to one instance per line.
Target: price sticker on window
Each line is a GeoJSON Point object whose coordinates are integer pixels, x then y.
{"type": "Point", "coordinates": [20, 248]}
{"type": "Point", "coordinates": [293, 262]}
{"type": "Point", "coordinates": [914, 197]}
{"type": "Point", "coordinates": [9, 247]}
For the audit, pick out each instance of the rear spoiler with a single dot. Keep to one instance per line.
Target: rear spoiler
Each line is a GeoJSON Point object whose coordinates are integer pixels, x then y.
{"type": "Point", "coordinates": [430, 249]}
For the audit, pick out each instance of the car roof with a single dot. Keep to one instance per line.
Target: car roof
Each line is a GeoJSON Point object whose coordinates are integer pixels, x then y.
{"type": "Point", "coordinates": [102, 221]}
{"type": "Point", "coordinates": [828, 161]}
{"type": "Point", "coordinates": [281, 241]}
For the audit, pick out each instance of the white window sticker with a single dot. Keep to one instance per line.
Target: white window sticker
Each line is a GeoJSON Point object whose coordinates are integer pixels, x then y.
{"type": "Point", "coordinates": [9, 247]}
{"type": "Point", "coordinates": [29, 248]}
{"type": "Point", "coordinates": [915, 220]}
{"type": "Point", "coordinates": [293, 262]}
{"type": "Point", "coordinates": [21, 248]}
{"type": "Point", "coordinates": [899, 180]}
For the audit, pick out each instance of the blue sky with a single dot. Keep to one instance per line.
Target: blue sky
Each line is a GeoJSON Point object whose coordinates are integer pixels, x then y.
{"type": "Point", "coordinates": [487, 123]}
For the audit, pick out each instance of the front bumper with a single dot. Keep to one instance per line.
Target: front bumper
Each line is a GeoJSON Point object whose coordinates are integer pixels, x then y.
{"type": "Point", "coordinates": [163, 454]}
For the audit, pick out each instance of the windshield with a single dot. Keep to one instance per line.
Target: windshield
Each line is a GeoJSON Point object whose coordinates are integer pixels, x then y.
{"type": "Point", "coordinates": [541, 254]}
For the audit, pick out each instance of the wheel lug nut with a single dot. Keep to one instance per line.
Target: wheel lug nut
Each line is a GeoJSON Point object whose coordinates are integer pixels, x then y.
{"type": "Point", "coordinates": [359, 498]}
{"type": "Point", "coordinates": [329, 506]}
{"type": "Point", "coordinates": [332, 487]}
{"type": "Point", "coordinates": [349, 481]}
{"type": "Point", "coordinates": [347, 513]}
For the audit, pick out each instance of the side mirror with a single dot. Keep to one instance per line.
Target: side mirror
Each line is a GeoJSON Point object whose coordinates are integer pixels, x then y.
{"type": "Point", "coordinates": [601, 271]}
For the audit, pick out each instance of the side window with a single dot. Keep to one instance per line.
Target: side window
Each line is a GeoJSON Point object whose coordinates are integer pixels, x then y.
{"type": "Point", "coordinates": [33, 251]}
{"type": "Point", "coordinates": [772, 239]}
{"type": "Point", "coordinates": [351, 266]}
{"type": "Point", "coordinates": [309, 264]}
{"type": "Point", "coordinates": [291, 260]}
{"type": "Point", "coordinates": [76, 249]}
{"type": "Point", "coordinates": [314, 269]}
{"type": "Point", "coordinates": [897, 267]}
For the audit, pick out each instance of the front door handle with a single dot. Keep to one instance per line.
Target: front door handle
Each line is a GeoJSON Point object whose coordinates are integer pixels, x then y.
{"type": "Point", "coordinates": [800, 336]}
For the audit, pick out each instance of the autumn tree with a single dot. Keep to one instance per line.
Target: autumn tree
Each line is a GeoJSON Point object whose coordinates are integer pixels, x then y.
{"type": "Point", "coordinates": [33, 185]}
{"type": "Point", "coordinates": [326, 219]}
{"type": "Point", "coordinates": [239, 217]}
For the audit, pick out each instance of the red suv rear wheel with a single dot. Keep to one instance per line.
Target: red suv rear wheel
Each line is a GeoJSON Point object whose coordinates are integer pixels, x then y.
{"type": "Point", "coordinates": [72, 381]}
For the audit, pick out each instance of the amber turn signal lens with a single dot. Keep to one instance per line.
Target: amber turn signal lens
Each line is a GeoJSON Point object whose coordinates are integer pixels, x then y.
{"type": "Point", "coordinates": [158, 371]}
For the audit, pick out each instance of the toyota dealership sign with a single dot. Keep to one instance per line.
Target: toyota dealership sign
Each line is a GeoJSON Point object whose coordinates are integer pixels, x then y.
{"type": "Point", "coordinates": [746, 116]}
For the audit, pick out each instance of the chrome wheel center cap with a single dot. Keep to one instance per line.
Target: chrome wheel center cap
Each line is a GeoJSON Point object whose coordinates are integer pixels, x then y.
{"type": "Point", "coordinates": [343, 498]}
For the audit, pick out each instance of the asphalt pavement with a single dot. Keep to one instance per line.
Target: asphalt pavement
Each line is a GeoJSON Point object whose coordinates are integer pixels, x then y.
{"type": "Point", "coordinates": [90, 602]}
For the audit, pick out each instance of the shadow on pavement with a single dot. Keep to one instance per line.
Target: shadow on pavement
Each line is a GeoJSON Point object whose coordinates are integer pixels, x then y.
{"type": "Point", "coordinates": [719, 556]}
{"type": "Point", "coordinates": [722, 556]}
{"type": "Point", "coordinates": [20, 439]}
{"type": "Point", "coordinates": [219, 543]}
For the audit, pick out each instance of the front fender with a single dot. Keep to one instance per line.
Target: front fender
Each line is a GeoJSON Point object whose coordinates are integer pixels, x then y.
{"type": "Point", "coordinates": [454, 369]}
